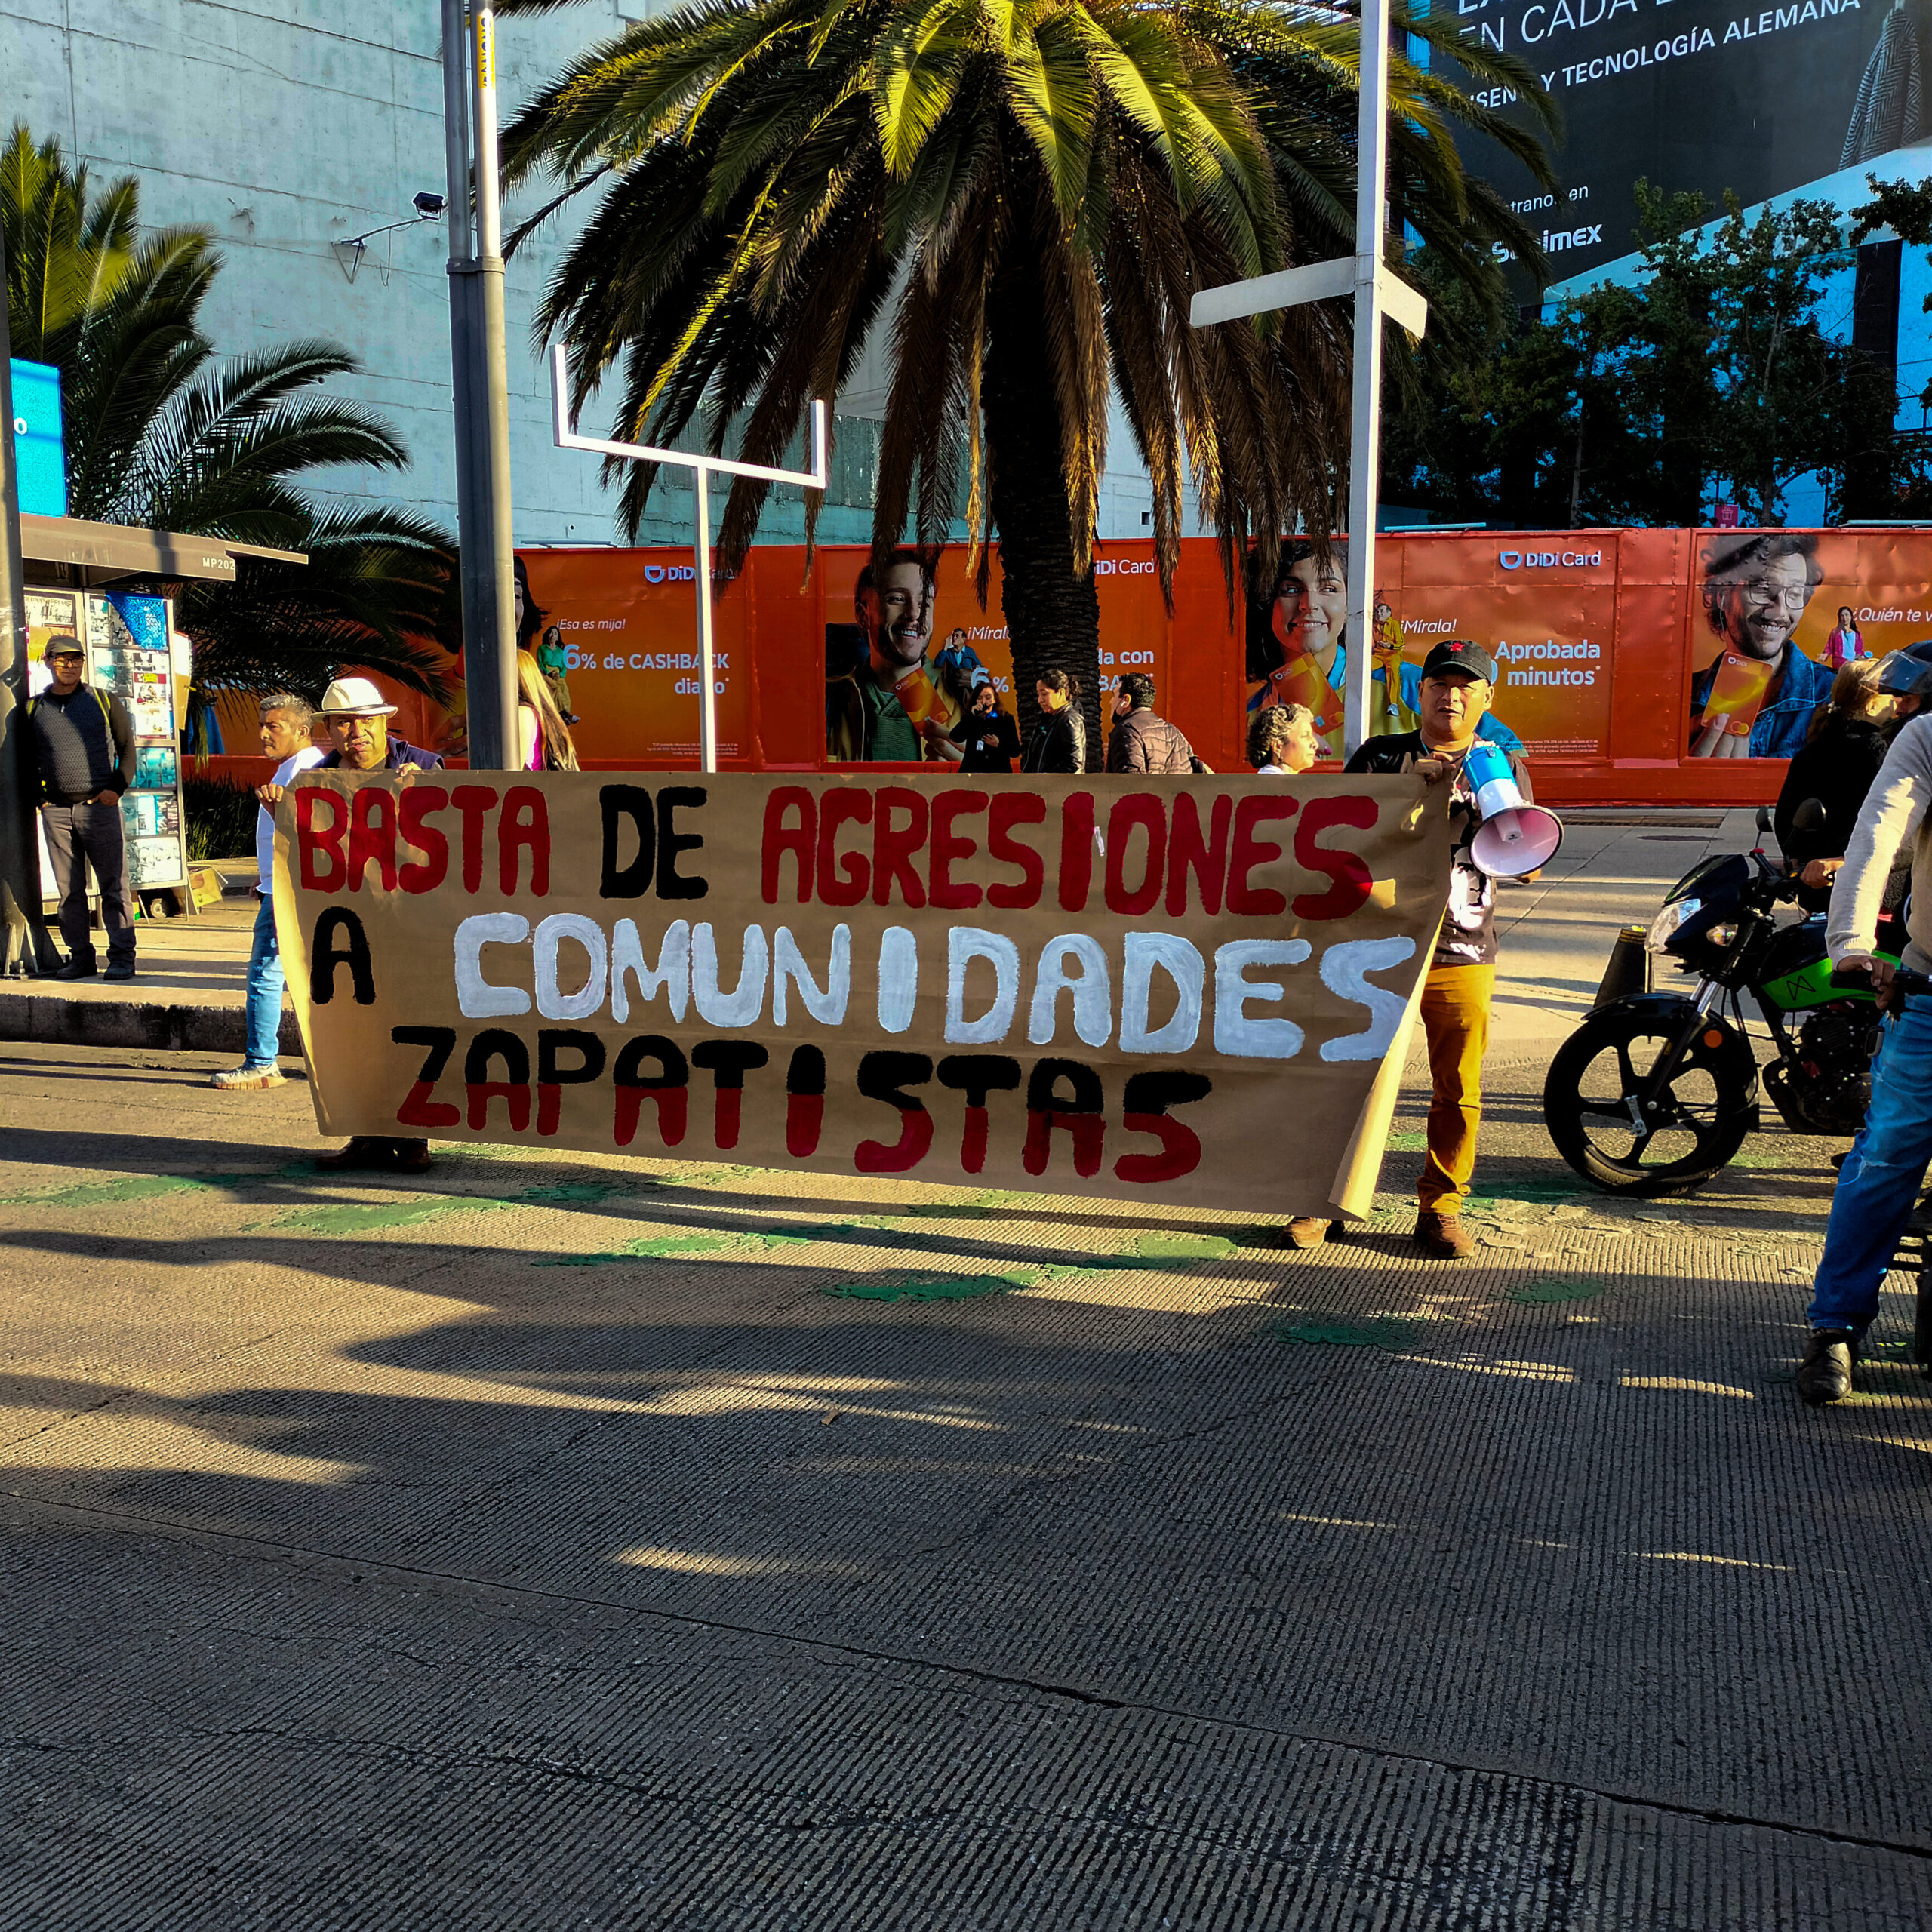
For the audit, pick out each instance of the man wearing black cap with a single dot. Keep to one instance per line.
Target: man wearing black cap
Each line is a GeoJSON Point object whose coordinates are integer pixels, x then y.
{"type": "Point", "coordinates": [85, 740]}
{"type": "Point", "coordinates": [1457, 680]}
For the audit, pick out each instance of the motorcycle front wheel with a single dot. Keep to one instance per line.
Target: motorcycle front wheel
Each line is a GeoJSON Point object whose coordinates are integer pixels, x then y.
{"type": "Point", "coordinates": [1699, 1118]}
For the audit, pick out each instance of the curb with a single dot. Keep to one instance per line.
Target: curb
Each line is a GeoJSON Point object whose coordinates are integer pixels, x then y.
{"type": "Point", "coordinates": [46, 1019]}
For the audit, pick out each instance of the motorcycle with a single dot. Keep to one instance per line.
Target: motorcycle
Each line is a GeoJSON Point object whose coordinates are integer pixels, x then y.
{"type": "Point", "coordinates": [1654, 1095]}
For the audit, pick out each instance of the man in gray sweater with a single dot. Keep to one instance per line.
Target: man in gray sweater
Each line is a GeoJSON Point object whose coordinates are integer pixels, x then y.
{"type": "Point", "coordinates": [1881, 1175]}
{"type": "Point", "coordinates": [85, 740]}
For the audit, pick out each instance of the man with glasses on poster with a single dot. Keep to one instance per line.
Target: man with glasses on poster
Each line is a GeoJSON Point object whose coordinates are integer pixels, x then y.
{"type": "Point", "coordinates": [1757, 699]}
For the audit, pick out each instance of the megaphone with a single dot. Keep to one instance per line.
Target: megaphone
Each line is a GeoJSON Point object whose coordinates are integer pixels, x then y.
{"type": "Point", "coordinates": [1514, 837]}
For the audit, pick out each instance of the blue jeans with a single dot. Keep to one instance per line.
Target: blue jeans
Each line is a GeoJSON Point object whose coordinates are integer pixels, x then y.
{"type": "Point", "coordinates": [265, 981]}
{"type": "Point", "coordinates": [1881, 1177]}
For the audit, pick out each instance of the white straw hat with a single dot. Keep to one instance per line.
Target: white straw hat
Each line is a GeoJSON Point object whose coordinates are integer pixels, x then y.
{"type": "Point", "coordinates": [355, 697]}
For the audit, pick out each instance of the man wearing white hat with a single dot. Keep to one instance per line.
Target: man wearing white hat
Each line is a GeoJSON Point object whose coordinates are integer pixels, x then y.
{"type": "Point", "coordinates": [358, 721]}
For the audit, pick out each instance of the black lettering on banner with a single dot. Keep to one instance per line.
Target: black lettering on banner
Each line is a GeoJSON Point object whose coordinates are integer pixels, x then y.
{"type": "Point", "coordinates": [884, 1075]}
{"type": "Point", "coordinates": [804, 1101]}
{"type": "Point", "coordinates": [977, 1075]}
{"type": "Point", "coordinates": [552, 1077]}
{"type": "Point", "coordinates": [671, 883]}
{"type": "Point", "coordinates": [1080, 1113]}
{"type": "Point", "coordinates": [669, 1088]}
{"type": "Point", "coordinates": [420, 1109]}
{"type": "Point", "coordinates": [338, 921]}
{"type": "Point", "coordinates": [498, 1042]}
{"type": "Point", "coordinates": [727, 1061]}
{"type": "Point", "coordinates": [1148, 1097]}
{"type": "Point", "coordinates": [621, 805]}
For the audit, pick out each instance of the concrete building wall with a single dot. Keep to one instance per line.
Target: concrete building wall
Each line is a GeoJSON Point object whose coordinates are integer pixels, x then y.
{"type": "Point", "coordinates": [288, 127]}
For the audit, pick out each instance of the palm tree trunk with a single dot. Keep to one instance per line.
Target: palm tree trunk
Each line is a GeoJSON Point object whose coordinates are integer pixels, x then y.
{"type": "Point", "coordinates": [1052, 611]}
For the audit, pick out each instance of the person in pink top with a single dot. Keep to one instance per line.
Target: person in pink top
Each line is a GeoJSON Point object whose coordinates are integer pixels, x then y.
{"type": "Point", "coordinates": [1844, 646]}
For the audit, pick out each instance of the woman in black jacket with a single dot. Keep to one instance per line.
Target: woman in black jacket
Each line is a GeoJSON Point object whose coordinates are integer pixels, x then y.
{"type": "Point", "coordinates": [989, 734]}
{"type": "Point", "coordinates": [1835, 766]}
{"type": "Point", "coordinates": [1058, 742]}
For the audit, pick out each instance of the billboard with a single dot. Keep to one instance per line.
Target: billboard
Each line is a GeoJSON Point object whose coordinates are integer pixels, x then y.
{"type": "Point", "coordinates": [1697, 94]}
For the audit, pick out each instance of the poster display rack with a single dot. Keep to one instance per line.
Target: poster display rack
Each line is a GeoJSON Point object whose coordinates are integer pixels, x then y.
{"type": "Point", "coordinates": [127, 639]}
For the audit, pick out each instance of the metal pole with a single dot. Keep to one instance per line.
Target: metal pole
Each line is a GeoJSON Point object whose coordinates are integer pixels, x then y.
{"type": "Point", "coordinates": [26, 948]}
{"type": "Point", "coordinates": [479, 370]}
{"type": "Point", "coordinates": [707, 662]}
{"type": "Point", "coordinates": [1364, 464]}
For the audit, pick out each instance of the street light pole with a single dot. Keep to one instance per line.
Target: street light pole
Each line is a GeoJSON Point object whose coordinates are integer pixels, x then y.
{"type": "Point", "coordinates": [480, 368]}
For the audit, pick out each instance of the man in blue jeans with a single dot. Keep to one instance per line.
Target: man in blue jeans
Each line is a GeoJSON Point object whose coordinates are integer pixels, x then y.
{"type": "Point", "coordinates": [1881, 1175]}
{"type": "Point", "coordinates": [287, 725]}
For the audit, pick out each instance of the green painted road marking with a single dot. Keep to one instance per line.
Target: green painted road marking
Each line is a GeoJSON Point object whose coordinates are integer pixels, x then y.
{"type": "Point", "coordinates": [941, 1287]}
{"type": "Point", "coordinates": [1548, 1288]}
{"type": "Point", "coordinates": [352, 1218]}
{"type": "Point", "coordinates": [1183, 1247]}
{"type": "Point", "coordinates": [1348, 1331]}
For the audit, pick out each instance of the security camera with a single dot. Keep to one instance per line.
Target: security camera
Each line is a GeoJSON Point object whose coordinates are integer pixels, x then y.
{"type": "Point", "coordinates": [429, 206]}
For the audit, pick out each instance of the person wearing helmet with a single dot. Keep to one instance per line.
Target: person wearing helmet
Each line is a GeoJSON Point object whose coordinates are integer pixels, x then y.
{"type": "Point", "coordinates": [1882, 1174]}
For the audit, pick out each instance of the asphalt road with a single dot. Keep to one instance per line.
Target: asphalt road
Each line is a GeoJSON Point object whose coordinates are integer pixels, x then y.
{"type": "Point", "coordinates": [588, 1542]}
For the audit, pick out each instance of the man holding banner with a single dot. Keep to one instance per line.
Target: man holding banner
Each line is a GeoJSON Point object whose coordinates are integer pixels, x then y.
{"type": "Point", "coordinates": [1457, 678]}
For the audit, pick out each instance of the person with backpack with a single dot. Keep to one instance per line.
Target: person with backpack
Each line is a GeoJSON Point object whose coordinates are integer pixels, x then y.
{"type": "Point", "coordinates": [85, 740]}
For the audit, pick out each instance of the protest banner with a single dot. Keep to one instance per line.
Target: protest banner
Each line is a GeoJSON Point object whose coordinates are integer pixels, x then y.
{"type": "Point", "coordinates": [1191, 990]}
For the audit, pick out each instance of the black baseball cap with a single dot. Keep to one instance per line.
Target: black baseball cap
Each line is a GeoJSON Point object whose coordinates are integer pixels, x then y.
{"type": "Point", "coordinates": [1456, 654]}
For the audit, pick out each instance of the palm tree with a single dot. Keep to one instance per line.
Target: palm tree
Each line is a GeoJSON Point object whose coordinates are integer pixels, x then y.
{"type": "Point", "coordinates": [1027, 196]}
{"type": "Point", "coordinates": [163, 433]}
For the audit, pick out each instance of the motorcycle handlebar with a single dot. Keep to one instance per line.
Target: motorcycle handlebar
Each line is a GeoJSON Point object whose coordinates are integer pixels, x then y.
{"type": "Point", "coordinates": [1850, 979]}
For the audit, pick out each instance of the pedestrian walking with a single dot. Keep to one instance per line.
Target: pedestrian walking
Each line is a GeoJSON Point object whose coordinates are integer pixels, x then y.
{"type": "Point", "coordinates": [988, 731]}
{"type": "Point", "coordinates": [285, 733]}
{"type": "Point", "coordinates": [1281, 740]}
{"type": "Point", "coordinates": [85, 742]}
{"type": "Point", "coordinates": [1883, 1173]}
{"type": "Point", "coordinates": [1142, 739]}
{"type": "Point", "coordinates": [357, 718]}
{"type": "Point", "coordinates": [1058, 742]}
{"type": "Point", "coordinates": [1457, 678]}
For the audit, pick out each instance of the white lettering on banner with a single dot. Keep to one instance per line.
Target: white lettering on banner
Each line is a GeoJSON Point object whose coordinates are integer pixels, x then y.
{"type": "Point", "coordinates": [1237, 1035]}
{"type": "Point", "coordinates": [1345, 970]}
{"type": "Point", "coordinates": [686, 974]}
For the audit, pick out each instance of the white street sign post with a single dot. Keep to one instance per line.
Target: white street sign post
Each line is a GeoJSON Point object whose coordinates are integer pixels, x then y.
{"type": "Point", "coordinates": [702, 468]}
{"type": "Point", "coordinates": [1377, 292]}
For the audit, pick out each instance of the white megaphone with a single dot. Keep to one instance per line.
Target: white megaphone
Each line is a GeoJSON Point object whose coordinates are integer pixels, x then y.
{"type": "Point", "coordinates": [1514, 837]}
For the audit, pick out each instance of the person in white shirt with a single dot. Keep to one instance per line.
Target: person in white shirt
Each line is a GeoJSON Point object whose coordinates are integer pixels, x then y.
{"type": "Point", "coordinates": [288, 724]}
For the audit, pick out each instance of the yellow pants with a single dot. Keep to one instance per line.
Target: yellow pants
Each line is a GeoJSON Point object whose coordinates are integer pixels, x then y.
{"type": "Point", "coordinates": [1455, 1018]}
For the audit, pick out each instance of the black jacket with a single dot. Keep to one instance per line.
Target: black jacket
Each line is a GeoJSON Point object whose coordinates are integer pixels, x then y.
{"type": "Point", "coordinates": [85, 743]}
{"type": "Point", "coordinates": [1059, 743]}
{"type": "Point", "coordinates": [992, 743]}
{"type": "Point", "coordinates": [1836, 768]}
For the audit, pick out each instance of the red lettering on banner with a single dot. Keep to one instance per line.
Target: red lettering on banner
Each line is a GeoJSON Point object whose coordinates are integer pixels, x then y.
{"type": "Point", "coordinates": [472, 801]}
{"type": "Point", "coordinates": [893, 846]}
{"type": "Point", "coordinates": [1076, 850]}
{"type": "Point", "coordinates": [481, 1093]}
{"type": "Point", "coordinates": [425, 874]}
{"type": "Point", "coordinates": [419, 1110]}
{"type": "Point", "coordinates": [673, 1110]}
{"type": "Point", "coordinates": [1188, 852]}
{"type": "Point", "coordinates": [1009, 811]}
{"type": "Point", "coordinates": [948, 847]}
{"type": "Point", "coordinates": [846, 883]}
{"type": "Point", "coordinates": [524, 826]}
{"type": "Point", "coordinates": [1353, 881]}
{"type": "Point", "coordinates": [314, 842]}
{"type": "Point", "coordinates": [372, 836]}
{"type": "Point", "coordinates": [1147, 811]}
{"type": "Point", "coordinates": [779, 838]}
{"type": "Point", "coordinates": [1249, 851]}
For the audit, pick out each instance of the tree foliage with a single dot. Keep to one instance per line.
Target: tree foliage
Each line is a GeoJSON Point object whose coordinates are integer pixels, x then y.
{"type": "Point", "coordinates": [1023, 196]}
{"type": "Point", "coordinates": [1713, 376]}
{"type": "Point", "coordinates": [163, 432]}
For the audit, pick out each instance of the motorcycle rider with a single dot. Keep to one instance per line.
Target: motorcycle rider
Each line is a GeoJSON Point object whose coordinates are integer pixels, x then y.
{"type": "Point", "coordinates": [1881, 1175]}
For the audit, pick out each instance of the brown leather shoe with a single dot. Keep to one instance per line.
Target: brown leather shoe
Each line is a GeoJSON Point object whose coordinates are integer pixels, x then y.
{"type": "Point", "coordinates": [1443, 1237]}
{"type": "Point", "coordinates": [409, 1157]}
{"type": "Point", "coordinates": [1308, 1230]}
